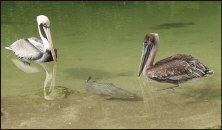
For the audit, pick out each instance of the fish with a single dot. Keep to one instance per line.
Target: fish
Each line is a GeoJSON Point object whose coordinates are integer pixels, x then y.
{"type": "Point", "coordinates": [172, 25]}
{"type": "Point", "coordinates": [108, 90]}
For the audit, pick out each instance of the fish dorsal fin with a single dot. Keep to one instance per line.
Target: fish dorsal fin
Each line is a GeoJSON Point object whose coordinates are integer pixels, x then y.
{"type": "Point", "coordinates": [89, 78]}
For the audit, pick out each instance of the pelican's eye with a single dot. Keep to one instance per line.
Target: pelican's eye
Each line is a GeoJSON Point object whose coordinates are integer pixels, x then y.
{"type": "Point", "coordinates": [45, 25]}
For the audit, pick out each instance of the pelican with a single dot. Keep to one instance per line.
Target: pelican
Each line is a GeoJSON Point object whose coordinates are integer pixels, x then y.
{"type": "Point", "coordinates": [175, 69]}
{"type": "Point", "coordinates": [35, 49]}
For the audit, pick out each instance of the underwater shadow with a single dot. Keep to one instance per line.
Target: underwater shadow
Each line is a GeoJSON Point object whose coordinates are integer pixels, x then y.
{"type": "Point", "coordinates": [172, 25]}
{"type": "Point", "coordinates": [84, 73]}
{"type": "Point", "coordinates": [201, 95]}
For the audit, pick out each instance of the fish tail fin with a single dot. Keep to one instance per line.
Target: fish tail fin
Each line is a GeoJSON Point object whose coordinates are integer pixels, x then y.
{"type": "Point", "coordinates": [8, 48]}
{"type": "Point", "coordinates": [89, 78]}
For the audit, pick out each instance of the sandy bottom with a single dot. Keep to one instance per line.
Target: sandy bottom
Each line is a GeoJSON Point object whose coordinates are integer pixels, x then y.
{"type": "Point", "coordinates": [159, 109]}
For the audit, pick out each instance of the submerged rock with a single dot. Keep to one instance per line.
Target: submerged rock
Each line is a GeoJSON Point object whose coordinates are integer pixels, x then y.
{"type": "Point", "coordinates": [58, 92]}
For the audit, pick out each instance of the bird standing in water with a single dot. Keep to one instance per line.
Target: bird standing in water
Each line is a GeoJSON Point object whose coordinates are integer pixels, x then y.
{"type": "Point", "coordinates": [175, 69]}
{"type": "Point", "coordinates": [35, 49]}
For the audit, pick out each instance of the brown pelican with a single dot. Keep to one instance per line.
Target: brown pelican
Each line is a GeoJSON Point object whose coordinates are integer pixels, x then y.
{"type": "Point", "coordinates": [175, 69]}
{"type": "Point", "coordinates": [35, 49]}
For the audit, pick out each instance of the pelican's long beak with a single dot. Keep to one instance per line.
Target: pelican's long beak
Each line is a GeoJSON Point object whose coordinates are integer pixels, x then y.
{"type": "Point", "coordinates": [49, 38]}
{"type": "Point", "coordinates": [147, 46]}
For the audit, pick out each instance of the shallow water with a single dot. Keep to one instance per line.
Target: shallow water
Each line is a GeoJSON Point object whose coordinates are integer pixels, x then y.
{"type": "Point", "coordinates": [104, 40]}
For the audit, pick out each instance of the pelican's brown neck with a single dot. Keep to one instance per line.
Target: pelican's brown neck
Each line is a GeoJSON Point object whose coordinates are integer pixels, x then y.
{"type": "Point", "coordinates": [153, 52]}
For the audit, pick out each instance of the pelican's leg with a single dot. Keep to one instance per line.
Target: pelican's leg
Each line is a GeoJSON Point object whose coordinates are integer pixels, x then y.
{"type": "Point", "coordinates": [172, 87]}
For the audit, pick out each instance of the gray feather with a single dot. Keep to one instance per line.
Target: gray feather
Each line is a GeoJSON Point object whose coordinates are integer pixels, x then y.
{"type": "Point", "coordinates": [27, 48]}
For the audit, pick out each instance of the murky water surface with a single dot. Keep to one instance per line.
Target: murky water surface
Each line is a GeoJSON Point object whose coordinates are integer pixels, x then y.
{"type": "Point", "coordinates": [104, 40]}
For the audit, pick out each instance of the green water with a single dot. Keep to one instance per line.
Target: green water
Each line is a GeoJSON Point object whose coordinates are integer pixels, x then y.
{"type": "Point", "coordinates": [104, 40]}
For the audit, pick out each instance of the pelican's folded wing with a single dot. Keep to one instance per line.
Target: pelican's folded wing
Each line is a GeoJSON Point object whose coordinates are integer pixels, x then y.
{"type": "Point", "coordinates": [27, 49]}
{"type": "Point", "coordinates": [37, 43]}
{"type": "Point", "coordinates": [176, 57]}
{"type": "Point", "coordinates": [178, 68]}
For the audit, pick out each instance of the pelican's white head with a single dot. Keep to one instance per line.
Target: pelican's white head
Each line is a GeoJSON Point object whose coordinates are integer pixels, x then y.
{"type": "Point", "coordinates": [43, 19]}
{"type": "Point", "coordinates": [45, 34]}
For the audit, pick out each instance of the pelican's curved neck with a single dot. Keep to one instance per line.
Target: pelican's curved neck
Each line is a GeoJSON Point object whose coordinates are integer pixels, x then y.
{"type": "Point", "coordinates": [44, 40]}
{"type": "Point", "coordinates": [152, 55]}
{"type": "Point", "coordinates": [45, 44]}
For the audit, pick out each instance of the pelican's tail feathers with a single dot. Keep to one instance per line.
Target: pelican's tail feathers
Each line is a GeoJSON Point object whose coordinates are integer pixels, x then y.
{"type": "Point", "coordinates": [209, 72]}
{"type": "Point", "coordinates": [8, 48]}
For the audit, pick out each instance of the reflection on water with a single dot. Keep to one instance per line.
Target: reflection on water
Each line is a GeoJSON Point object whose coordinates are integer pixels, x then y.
{"type": "Point", "coordinates": [49, 82]}
{"type": "Point", "coordinates": [25, 66]}
{"type": "Point", "coordinates": [103, 40]}
{"type": "Point", "coordinates": [50, 78]}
